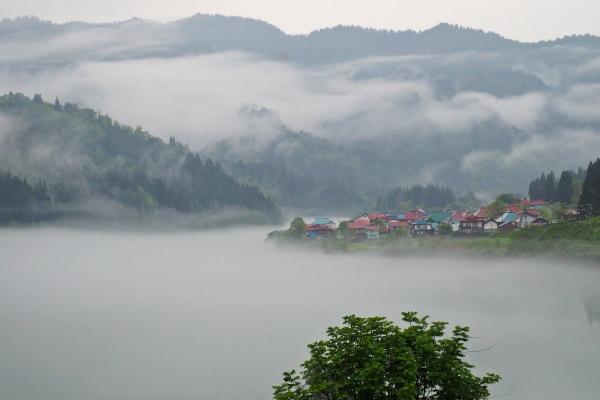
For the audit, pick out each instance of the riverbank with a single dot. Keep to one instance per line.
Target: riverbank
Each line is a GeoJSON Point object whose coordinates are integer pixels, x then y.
{"type": "Point", "coordinates": [565, 240]}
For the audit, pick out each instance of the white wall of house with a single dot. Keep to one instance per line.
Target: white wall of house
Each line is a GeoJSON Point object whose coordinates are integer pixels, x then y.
{"type": "Point", "coordinates": [526, 219]}
{"type": "Point", "coordinates": [490, 226]}
{"type": "Point", "coordinates": [455, 226]}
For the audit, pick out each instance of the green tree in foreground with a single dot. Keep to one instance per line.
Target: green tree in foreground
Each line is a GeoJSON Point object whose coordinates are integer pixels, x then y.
{"type": "Point", "coordinates": [373, 359]}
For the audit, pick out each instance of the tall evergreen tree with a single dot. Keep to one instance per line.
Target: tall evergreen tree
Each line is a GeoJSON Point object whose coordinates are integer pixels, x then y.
{"type": "Point", "coordinates": [37, 98]}
{"type": "Point", "coordinates": [590, 194]}
{"type": "Point", "coordinates": [550, 187]}
{"type": "Point", "coordinates": [564, 188]}
{"type": "Point", "coordinates": [57, 105]}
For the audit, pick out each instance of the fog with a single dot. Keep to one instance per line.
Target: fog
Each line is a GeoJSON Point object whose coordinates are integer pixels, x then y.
{"type": "Point", "coordinates": [199, 100]}
{"type": "Point", "coordinates": [220, 314]}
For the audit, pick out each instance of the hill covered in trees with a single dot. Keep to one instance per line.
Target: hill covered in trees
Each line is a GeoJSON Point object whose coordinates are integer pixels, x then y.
{"type": "Point", "coordinates": [62, 160]}
{"type": "Point", "coordinates": [451, 105]}
{"type": "Point", "coordinates": [428, 197]}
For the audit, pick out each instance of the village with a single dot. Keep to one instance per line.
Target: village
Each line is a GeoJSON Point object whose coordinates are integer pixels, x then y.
{"type": "Point", "coordinates": [421, 223]}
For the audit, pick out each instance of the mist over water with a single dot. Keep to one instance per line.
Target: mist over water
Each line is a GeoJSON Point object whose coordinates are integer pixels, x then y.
{"type": "Point", "coordinates": [219, 315]}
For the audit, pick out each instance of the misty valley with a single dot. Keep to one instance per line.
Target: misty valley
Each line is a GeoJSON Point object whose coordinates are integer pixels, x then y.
{"type": "Point", "coordinates": [219, 314]}
{"type": "Point", "coordinates": [213, 208]}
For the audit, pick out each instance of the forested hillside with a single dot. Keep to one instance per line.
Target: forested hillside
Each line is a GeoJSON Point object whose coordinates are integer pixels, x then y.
{"type": "Point", "coordinates": [300, 170]}
{"type": "Point", "coordinates": [360, 111]}
{"type": "Point", "coordinates": [77, 159]}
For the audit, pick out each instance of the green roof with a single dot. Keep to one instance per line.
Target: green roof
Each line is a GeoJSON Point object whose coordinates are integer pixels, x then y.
{"type": "Point", "coordinates": [438, 217]}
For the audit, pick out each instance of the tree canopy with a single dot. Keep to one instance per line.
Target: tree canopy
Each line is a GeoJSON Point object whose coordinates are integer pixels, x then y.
{"type": "Point", "coordinates": [374, 359]}
{"type": "Point", "coordinates": [590, 195]}
{"type": "Point", "coordinates": [429, 196]}
{"type": "Point", "coordinates": [90, 156]}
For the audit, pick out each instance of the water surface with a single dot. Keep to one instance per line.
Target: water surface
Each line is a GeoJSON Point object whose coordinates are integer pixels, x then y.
{"type": "Point", "coordinates": [219, 315]}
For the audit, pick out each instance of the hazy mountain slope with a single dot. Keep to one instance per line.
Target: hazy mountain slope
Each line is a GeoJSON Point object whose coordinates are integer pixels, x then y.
{"type": "Point", "coordinates": [299, 170]}
{"type": "Point", "coordinates": [102, 159]}
{"type": "Point", "coordinates": [454, 106]}
{"type": "Point", "coordinates": [215, 33]}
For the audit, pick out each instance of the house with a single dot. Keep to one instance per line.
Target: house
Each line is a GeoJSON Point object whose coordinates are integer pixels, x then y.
{"type": "Point", "coordinates": [527, 217]}
{"type": "Point", "coordinates": [439, 217]}
{"type": "Point", "coordinates": [456, 217]}
{"type": "Point", "coordinates": [319, 231]}
{"type": "Point", "coordinates": [377, 216]}
{"type": "Point", "coordinates": [533, 203]}
{"type": "Point", "coordinates": [539, 222]}
{"type": "Point", "coordinates": [508, 226]}
{"type": "Point", "coordinates": [471, 225]}
{"type": "Point", "coordinates": [571, 214]}
{"type": "Point", "coordinates": [507, 217]}
{"type": "Point", "coordinates": [324, 221]}
{"type": "Point", "coordinates": [490, 225]}
{"type": "Point", "coordinates": [423, 228]}
{"type": "Point", "coordinates": [372, 232]}
{"type": "Point", "coordinates": [481, 212]}
{"type": "Point", "coordinates": [411, 216]}
{"type": "Point", "coordinates": [320, 227]}
{"type": "Point", "coordinates": [362, 219]}
{"type": "Point", "coordinates": [395, 225]}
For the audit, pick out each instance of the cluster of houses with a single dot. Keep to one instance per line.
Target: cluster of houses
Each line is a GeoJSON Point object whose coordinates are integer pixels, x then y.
{"type": "Point", "coordinates": [419, 222]}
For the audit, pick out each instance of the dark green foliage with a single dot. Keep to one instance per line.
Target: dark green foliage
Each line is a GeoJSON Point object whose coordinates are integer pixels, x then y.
{"type": "Point", "coordinates": [546, 187]}
{"type": "Point", "coordinates": [299, 170]}
{"type": "Point", "coordinates": [117, 162]}
{"type": "Point", "coordinates": [373, 359]}
{"type": "Point", "coordinates": [564, 188]}
{"type": "Point", "coordinates": [508, 198]}
{"type": "Point", "coordinates": [21, 201]}
{"type": "Point", "coordinates": [586, 230]}
{"type": "Point", "coordinates": [298, 228]}
{"type": "Point", "coordinates": [589, 201]}
{"type": "Point", "coordinates": [445, 229]}
{"type": "Point", "coordinates": [430, 196]}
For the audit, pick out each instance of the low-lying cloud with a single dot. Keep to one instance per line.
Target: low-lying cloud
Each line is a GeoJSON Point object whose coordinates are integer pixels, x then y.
{"type": "Point", "coordinates": [198, 99]}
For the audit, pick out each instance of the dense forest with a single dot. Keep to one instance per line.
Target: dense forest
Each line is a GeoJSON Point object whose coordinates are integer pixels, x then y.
{"type": "Point", "coordinates": [430, 197]}
{"type": "Point", "coordinates": [77, 156]}
{"type": "Point", "coordinates": [589, 202]}
{"type": "Point", "coordinates": [580, 188]}
{"type": "Point", "coordinates": [564, 189]}
{"type": "Point", "coordinates": [299, 170]}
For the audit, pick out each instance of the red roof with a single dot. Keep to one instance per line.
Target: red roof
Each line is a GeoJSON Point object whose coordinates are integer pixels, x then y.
{"type": "Point", "coordinates": [514, 208]}
{"type": "Point", "coordinates": [398, 224]}
{"type": "Point", "coordinates": [373, 217]}
{"type": "Point", "coordinates": [460, 215]}
{"type": "Point", "coordinates": [413, 216]}
{"type": "Point", "coordinates": [357, 225]}
{"type": "Point", "coordinates": [534, 203]}
{"type": "Point", "coordinates": [480, 213]}
{"type": "Point", "coordinates": [373, 228]}
{"type": "Point", "coordinates": [474, 218]}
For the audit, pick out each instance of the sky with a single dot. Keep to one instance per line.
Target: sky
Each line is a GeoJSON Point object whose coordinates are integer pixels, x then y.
{"type": "Point", "coordinates": [529, 20]}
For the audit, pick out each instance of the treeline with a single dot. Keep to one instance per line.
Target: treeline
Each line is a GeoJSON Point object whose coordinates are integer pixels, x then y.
{"type": "Point", "coordinates": [566, 189]}
{"type": "Point", "coordinates": [589, 202]}
{"type": "Point", "coordinates": [430, 197]}
{"type": "Point", "coordinates": [98, 157]}
{"type": "Point", "coordinates": [22, 201]}
{"type": "Point", "coordinates": [580, 188]}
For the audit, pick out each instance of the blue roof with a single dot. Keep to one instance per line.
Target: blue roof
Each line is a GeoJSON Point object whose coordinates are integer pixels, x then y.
{"type": "Point", "coordinates": [322, 221]}
{"type": "Point", "coordinates": [508, 217]}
